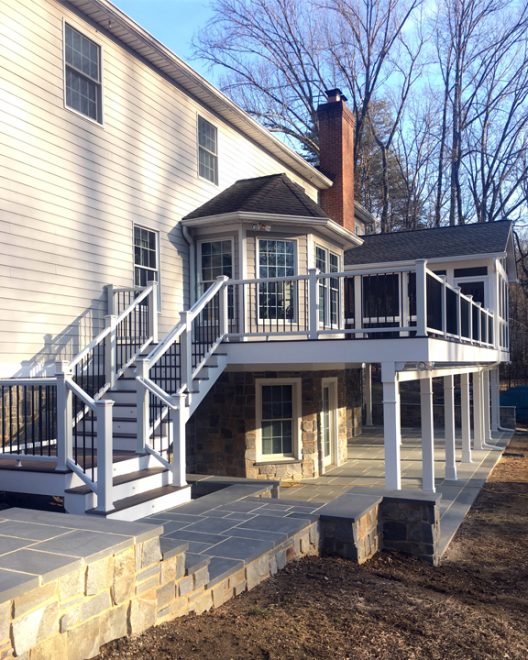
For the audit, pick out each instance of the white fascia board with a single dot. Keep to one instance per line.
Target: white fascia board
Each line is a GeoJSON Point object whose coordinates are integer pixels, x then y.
{"type": "Point", "coordinates": [325, 225]}
{"type": "Point", "coordinates": [433, 260]}
{"type": "Point", "coordinates": [117, 23]}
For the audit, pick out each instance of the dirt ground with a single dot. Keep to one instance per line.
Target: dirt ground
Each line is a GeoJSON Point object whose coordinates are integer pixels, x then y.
{"type": "Point", "coordinates": [475, 605]}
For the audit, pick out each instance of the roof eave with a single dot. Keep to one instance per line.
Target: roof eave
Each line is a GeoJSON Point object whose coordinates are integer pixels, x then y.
{"type": "Point", "coordinates": [431, 260]}
{"type": "Point", "coordinates": [122, 27]}
{"type": "Point", "coordinates": [346, 237]}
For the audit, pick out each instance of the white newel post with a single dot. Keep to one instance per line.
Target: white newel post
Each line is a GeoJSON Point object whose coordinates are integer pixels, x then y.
{"type": "Point", "coordinates": [391, 426]}
{"type": "Point", "coordinates": [449, 425]}
{"type": "Point", "coordinates": [223, 311]}
{"type": "Point", "coordinates": [153, 311]}
{"type": "Point", "coordinates": [313, 303]}
{"type": "Point", "coordinates": [495, 400]}
{"type": "Point", "coordinates": [444, 304]}
{"type": "Point", "coordinates": [478, 411]}
{"type": "Point", "coordinates": [103, 412]}
{"type": "Point", "coordinates": [110, 299]}
{"type": "Point", "coordinates": [63, 374]}
{"type": "Point", "coordinates": [368, 393]}
{"type": "Point", "coordinates": [459, 312]}
{"type": "Point", "coordinates": [142, 406]}
{"type": "Point", "coordinates": [486, 402]}
{"type": "Point", "coordinates": [358, 306]}
{"type": "Point", "coordinates": [186, 350]}
{"type": "Point", "coordinates": [179, 460]}
{"type": "Point", "coordinates": [470, 319]}
{"type": "Point", "coordinates": [465, 418]}
{"type": "Point", "coordinates": [110, 349]}
{"type": "Point", "coordinates": [421, 298]}
{"type": "Point", "coordinates": [426, 405]}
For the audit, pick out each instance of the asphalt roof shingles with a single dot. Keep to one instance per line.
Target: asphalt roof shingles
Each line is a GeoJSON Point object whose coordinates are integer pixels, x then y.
{"type": "Point", "coordinates": [275, 194]}
{"type": "Point", "coordinates": [481, 238]}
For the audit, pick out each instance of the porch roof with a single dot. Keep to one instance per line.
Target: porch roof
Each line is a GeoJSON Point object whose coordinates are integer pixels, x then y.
{"type": "Point", "coordinates": [441, 242]}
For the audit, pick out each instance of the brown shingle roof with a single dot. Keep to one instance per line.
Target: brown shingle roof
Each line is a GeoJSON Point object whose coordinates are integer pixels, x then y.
{"type": "Point", "coordinates": [275, 194]}
{"type": "Point", "coordinates": [460, 240]}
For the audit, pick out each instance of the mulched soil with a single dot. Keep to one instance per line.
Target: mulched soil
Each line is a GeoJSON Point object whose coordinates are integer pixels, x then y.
{"type": "Point", "coordinates": [475, 605]}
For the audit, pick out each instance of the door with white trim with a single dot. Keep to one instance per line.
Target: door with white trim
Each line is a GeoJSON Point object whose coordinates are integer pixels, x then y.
{"type": "Point", "coordinates": [329, 421]}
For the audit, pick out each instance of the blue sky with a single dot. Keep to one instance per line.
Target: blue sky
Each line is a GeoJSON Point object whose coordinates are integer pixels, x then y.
{"type": "Point", "coordinates": [173, 22]}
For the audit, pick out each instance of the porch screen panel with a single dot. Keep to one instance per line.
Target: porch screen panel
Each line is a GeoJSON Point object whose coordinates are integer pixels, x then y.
{"type": "Point", "coordinates": [276, 299]}
{"type": "Point", "coordinates": [381, 301]}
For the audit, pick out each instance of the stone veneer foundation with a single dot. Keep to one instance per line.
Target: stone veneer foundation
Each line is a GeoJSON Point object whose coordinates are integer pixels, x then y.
{"type": "Point", "coordinates": [222, 435]}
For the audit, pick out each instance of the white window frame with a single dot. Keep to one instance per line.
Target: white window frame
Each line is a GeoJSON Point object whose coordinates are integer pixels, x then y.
{"type": "Point", "coordinates": [257, 273]}
{"type": "Point", "coordinates": [199, 146]}
{"type": "Point", "coordinates": [74, 26]}
{"type": "Point", "coordinates": [325, 284]}
{"type": "Point", "coordinates": [296, 384]}
{"type": "Point", "coordinates": [158, 260]}
{"type": "Point", "coordinates": [333, 384]}
{"type": "Point", "coordinates": [200, 243]}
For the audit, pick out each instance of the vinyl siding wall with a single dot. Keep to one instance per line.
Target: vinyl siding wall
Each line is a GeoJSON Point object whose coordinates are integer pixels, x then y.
{"type": "Point", "coordinates": [71, 189]}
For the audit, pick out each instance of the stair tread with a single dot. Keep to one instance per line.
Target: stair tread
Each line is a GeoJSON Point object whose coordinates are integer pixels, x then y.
{"type": "Point", "coordinates": [140, 498]}
{"type": "Point", "coordinates": [121, 479]}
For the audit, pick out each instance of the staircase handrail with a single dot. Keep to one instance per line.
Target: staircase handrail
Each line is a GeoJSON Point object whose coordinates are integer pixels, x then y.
{"type": "Point", "coordinates": [157, 391]}
{"type": "Point", "coordinates": [191, 313]}
{"type": "Point", "coordinates": [104, 333]}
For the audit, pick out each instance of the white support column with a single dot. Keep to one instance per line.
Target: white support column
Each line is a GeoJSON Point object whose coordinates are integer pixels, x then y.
{"type": "Point", "coordinates": [495, 400]}
{"type": "Point", "coordinates": [313, 303]}
{"type": "Point", "coordinates": [449, 426]}
{"type": "Point", "coordinates": [63, 375]}
{"type": "Point", "coordinates": [142, 407]}
{"type": "Point", "coordinates": [358, 306]}
{"type": "Point", "coordinates": [391, 426]}
{"type": "Point", "coordinates": [110, 354]}
{"type": "Point", "coordinates": [153, 311]}
{"type": "Point", "coordinates": [478, 411]}
{"type": "Point", "coordinates": [426, 404]}
{"type": "Point", "coordinates": [466, 418]}
{"type": "Point", "coordinates": [179, 461]}
{"type": "Point", "coordinates": [486, 405]}
{"type": "Point", "coordinates": [367, 392]}
{"type": "Point", "coordinates": [421, 298]}
{"type": "Point", "coordinates": [103, 411]}
{"type": "Point", "coordinates": [223, 311]}
{"type": "Point", "coordinates": [110, 299]}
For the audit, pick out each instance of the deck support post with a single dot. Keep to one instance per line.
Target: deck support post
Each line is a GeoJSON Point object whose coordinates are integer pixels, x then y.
{"type": "Point", "coordinates": [313, 303]}
{"type": "Point", "coordinates": [153, 311]}
{"type": "Point", "coordinates": [63, 374]}
{"type": "Point", "coordinates": [426, 405]}
{"type": "Point", "coordinates": [180, 416]}
{"type": "Point", "coordinates": [478, 411]}
{"type": "Point", "coordinates": [495, 400]}
{"type": "Point", "coordinates": [449, 426]}
{"type": "Point", "coordinates": [391, 426]}
{"type": "Point", "coordinates": [367, 390]}
{"type": "Point", "coordinates": [110, 354]}
{"type": "Point", "coordinates": [465, 418]}
{"type": "Point", "coordinates": [103, 412]}
{"type": "Point", "coordinates": [142, 406]}
{"type": "Point", "coordinates": [486, 406]}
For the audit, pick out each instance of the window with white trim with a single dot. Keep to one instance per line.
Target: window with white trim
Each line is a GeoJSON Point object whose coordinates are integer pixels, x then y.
{"type": "Point", "coordinates": [327, 262]}
{"type": "Point", "coordinates": [207, 150]}
{"type": "Point", "coordinates": [276, 258]}
{"type": "Point", "coordinates": [146, 259]}
{"type": "Point", "coordinates": [82, 75]}
{"type": "Point", "coordinates": [216, 259]}
{"type": "Point", "coordinates": [277, 418]}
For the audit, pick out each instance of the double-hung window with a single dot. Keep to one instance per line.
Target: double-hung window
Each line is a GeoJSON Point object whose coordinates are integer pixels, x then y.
{"type": "Point", "coordinates": [328, 294]}
{"type": "Point", "coordinates": [216, 259]}
{"type": "Point", "coordinates": [207, 150]}
{"type": "Point", "coordinates": [276, 259]}
{"type": "Point", "coordinates": [277, 415]}
{"type": "Point", "coordinates": [146, 260]}
{"type": "Point", "coordinates": [82, 59]}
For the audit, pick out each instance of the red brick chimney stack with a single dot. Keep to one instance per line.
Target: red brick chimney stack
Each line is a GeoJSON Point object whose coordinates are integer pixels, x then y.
{"type": "Point", "coordinates": [336, 160]}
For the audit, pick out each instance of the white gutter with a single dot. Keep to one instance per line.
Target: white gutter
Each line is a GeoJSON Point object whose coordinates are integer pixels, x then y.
{"type": "Point", "coordinates": [307, 222]}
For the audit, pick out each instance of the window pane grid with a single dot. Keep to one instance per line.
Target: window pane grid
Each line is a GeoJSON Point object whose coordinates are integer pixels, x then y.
{"type": "Point", "coordinates": [277, 419]}
{"type": "Point", "coordinates": [276, 299]}
{"type": "Point", "coordinates": [82, 74]}
{"type": "Point", "coordinates": [207, 150]}
{"type": "Point", "coordinates": [145, 256]}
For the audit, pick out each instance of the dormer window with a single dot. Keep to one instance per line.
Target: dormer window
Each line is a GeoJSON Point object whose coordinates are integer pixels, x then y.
{"type": "Point", "coordinates": [207, 150]}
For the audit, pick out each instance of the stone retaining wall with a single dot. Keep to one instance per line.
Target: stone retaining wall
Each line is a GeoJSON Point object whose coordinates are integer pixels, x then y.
{"type": "Point", "coordinates": [87, 604]}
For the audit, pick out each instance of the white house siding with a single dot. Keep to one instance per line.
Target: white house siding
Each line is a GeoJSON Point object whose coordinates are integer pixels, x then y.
{"type": "Point", "coordinates": [70, 189]}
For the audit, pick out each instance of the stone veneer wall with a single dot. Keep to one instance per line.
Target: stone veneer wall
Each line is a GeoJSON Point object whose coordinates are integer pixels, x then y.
{"type": "Point", "coordinates": [123, 593]}
{"type": "Point", "coordinates": [222, 437]}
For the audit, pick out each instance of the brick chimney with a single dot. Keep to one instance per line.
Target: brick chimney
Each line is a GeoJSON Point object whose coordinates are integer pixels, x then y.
{"type": "Point", "coordinates": [336, 160]}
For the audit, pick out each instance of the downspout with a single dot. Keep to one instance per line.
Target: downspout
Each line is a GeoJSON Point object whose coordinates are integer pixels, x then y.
{"type": "Point", "coordinates": [192, 263]}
